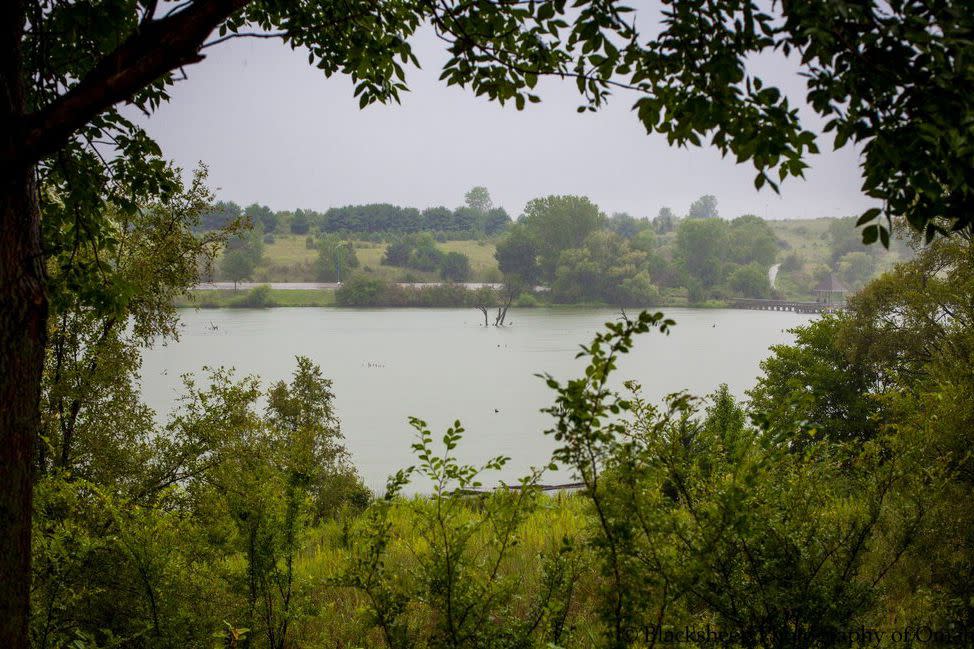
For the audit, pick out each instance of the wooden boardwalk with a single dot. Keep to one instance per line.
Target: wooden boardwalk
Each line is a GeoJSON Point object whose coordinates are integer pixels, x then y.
{"type": "Point", "coordinates": [784, 305]}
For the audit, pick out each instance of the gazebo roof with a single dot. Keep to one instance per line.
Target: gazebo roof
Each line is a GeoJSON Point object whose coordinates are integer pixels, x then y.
{"type": "Point", "coordinates": [831, 284]}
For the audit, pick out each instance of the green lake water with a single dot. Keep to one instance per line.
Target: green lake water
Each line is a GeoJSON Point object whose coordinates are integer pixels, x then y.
{"type": "Point", "coordinates": [442, 364]}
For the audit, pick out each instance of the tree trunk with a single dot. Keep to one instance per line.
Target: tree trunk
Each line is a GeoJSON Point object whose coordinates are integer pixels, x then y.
{"type": "Point", "coordinates": [23, 332]}
{"type": "Point", "coordinates": [23, 329]}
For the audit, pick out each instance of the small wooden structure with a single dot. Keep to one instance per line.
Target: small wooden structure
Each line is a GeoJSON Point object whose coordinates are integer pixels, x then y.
{"type": "Point", "coordinates": [570, 487]}
{"type": "Point", "coordinates": [831, 292]}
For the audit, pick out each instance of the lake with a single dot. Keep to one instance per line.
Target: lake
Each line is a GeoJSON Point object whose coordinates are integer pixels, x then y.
{"type": "Point", "coordinates": [443, 364]}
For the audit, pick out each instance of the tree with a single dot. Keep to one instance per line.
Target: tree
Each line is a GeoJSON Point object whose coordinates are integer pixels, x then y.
{"type": "Point", "coordinates": [361, 290]}
{"type": "Point", "coordinates": [336, 259]}
{"type": "Point", "coordinates": [263, 217]}
{"type": "Point", "coordinates": [425, 255]}
{"type": "Point", "coordinates": [497, 221]}
{"type": "Point", "coordinates": [817, 381]}
{"type": "Point", "coordinates": [517, 255]}
{"type": "Point", "coordinates": [437, 219]}
{"type": "Point", "coordinates": [704, 207]}
{"type": "Point", "coordinates": [248, 241]}
{"type": "Point", "coordinates": [750, 280]}
{"type": "Point", "coordinates": [60, 96]}
{"type": "Point", "coordinates": [455, 267]}
{"type": "Point", "coordinates": [374, 217]}
{"type": "Point", "coordinates": [701, 246]}
{"type": "Point", "coordinates": [842, 239]}
{"type": "Point", "coordinates": [467, 219]}
{"type": "Point", "coordinates": [751, 240]}
{"type": "Point", "coordinates": [557, 223]}
{"type": "Point", "coordinates": [645, 240]}
{"type": "Point", "coordinates": [93, 360]}
{"type": "Point", "coordinates": [397, 253]}
{"type": "Point", "coordinates": [605, 269]}
{"type": "Point", "coordinates": [793, 262]}
{"type": "Point", "coordinates": [417, 251]}
{"type": "Point", "coordinates": [478, 199]}
{"type": "Point", "coordinates": [665, 221]}
{"type": "Point", "coordinates": [856, 268]}
{"type": "Point", "coordinates": [718, 522]}
{"type": "Point", "coordinates": [625, 225]}
{"type": "Point", "coordinates": [300, 223]}
{"type": "Point", "coordinates": [237, 266]}
{"type": "Point", "coordinates": [221, 215]}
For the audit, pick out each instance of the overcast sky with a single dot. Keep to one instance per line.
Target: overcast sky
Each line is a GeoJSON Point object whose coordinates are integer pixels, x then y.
{"type": "Point", "coordinates": [273, 130]}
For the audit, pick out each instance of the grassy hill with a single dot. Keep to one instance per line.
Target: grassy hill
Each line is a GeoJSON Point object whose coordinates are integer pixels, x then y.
{"type": "Point", "coordinates": [289, 259]}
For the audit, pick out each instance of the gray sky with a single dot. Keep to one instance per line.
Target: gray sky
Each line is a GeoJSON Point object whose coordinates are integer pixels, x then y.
{"type": "Point", "coordinates": [273, 130]}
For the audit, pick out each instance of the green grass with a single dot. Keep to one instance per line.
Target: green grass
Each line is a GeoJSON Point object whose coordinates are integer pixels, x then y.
{"type": "Point", "coordinates": [289, 259]}
{"type": "Point", "coordinates": [481, 255]}
{"type": "Point", "coordinates": [369, 254]}
{"type": "Point", "coordinates": [810, 237]}
{"type": "Point", "coordinates": [338, 618]}
{"type": "Point", "coordinates": [289, 249]}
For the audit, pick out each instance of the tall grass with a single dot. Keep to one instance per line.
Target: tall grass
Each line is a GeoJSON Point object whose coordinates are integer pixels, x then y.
{"type": "Point", "coordinates": [335, 614]}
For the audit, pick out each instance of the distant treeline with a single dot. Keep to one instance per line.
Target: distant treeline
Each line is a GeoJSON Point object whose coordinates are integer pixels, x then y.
{"type": "Point", "coordinates": [364, 219]}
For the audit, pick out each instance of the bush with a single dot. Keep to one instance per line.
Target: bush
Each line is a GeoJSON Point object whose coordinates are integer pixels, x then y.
{"type": "Point", "coordinates": [750, 281]}
{"type": "Point", "coordinates": [455, 267]}
{"type": "Point", "coordinates": [695, 291]}
{"type": "Point", "coordinates": [414, 251]}
{"type": "Point", "coordinates": [527, 300]}
{"type": "Point", "coordinates": [637, 291]}
{"type": "Point", "coordinates": [269, 238]}
{"type": "Point", "coordinates": [493, 276]}
{"type": "Point", "coordinates": [792, 262]}
{"type": "Point", "coordinates": [361, 290]}
{"type": "Point", "coordinates": [300, 223]}
{"type": "Point", "coordinates": [336, 259]}
{"type": "Point", "coordinates": [258, 297]}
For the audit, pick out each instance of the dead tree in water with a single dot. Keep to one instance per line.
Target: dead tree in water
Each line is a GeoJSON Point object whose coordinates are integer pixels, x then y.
{"type": "Point", "coordinates": [512, 291]}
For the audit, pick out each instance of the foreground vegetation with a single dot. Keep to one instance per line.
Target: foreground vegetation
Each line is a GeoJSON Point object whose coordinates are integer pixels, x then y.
{"type": "Point", "coordinates": [831, 501]}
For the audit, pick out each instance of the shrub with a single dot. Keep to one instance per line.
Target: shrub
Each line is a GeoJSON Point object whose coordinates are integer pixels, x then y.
{"type": "Point", "coordinates": [792, 262]}
{"type": "Point", "coordinates": [455, 267]}
{"type": "Point", "coordinates": [750, 281]}
{"type": "Point", "coordinates": [360, 290]}
{"type": "Point", "coordinates": [258, 297]}
{"type": "Point", "coordinates": [527, 300]}
{"type": "Point", "coordinates": [695, 291]}
{"type": "Point", "coordinates": [637, 291]}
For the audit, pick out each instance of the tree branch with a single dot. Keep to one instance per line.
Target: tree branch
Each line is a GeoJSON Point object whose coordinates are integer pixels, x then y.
{"type": "Point", "coordinates": [228, 37]}
{"type": "Point", "coordinates": [158, 47]}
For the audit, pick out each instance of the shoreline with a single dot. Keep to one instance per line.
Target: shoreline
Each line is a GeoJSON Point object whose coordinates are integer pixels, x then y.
{"type": "Point", "coordinates": [212, 298]}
